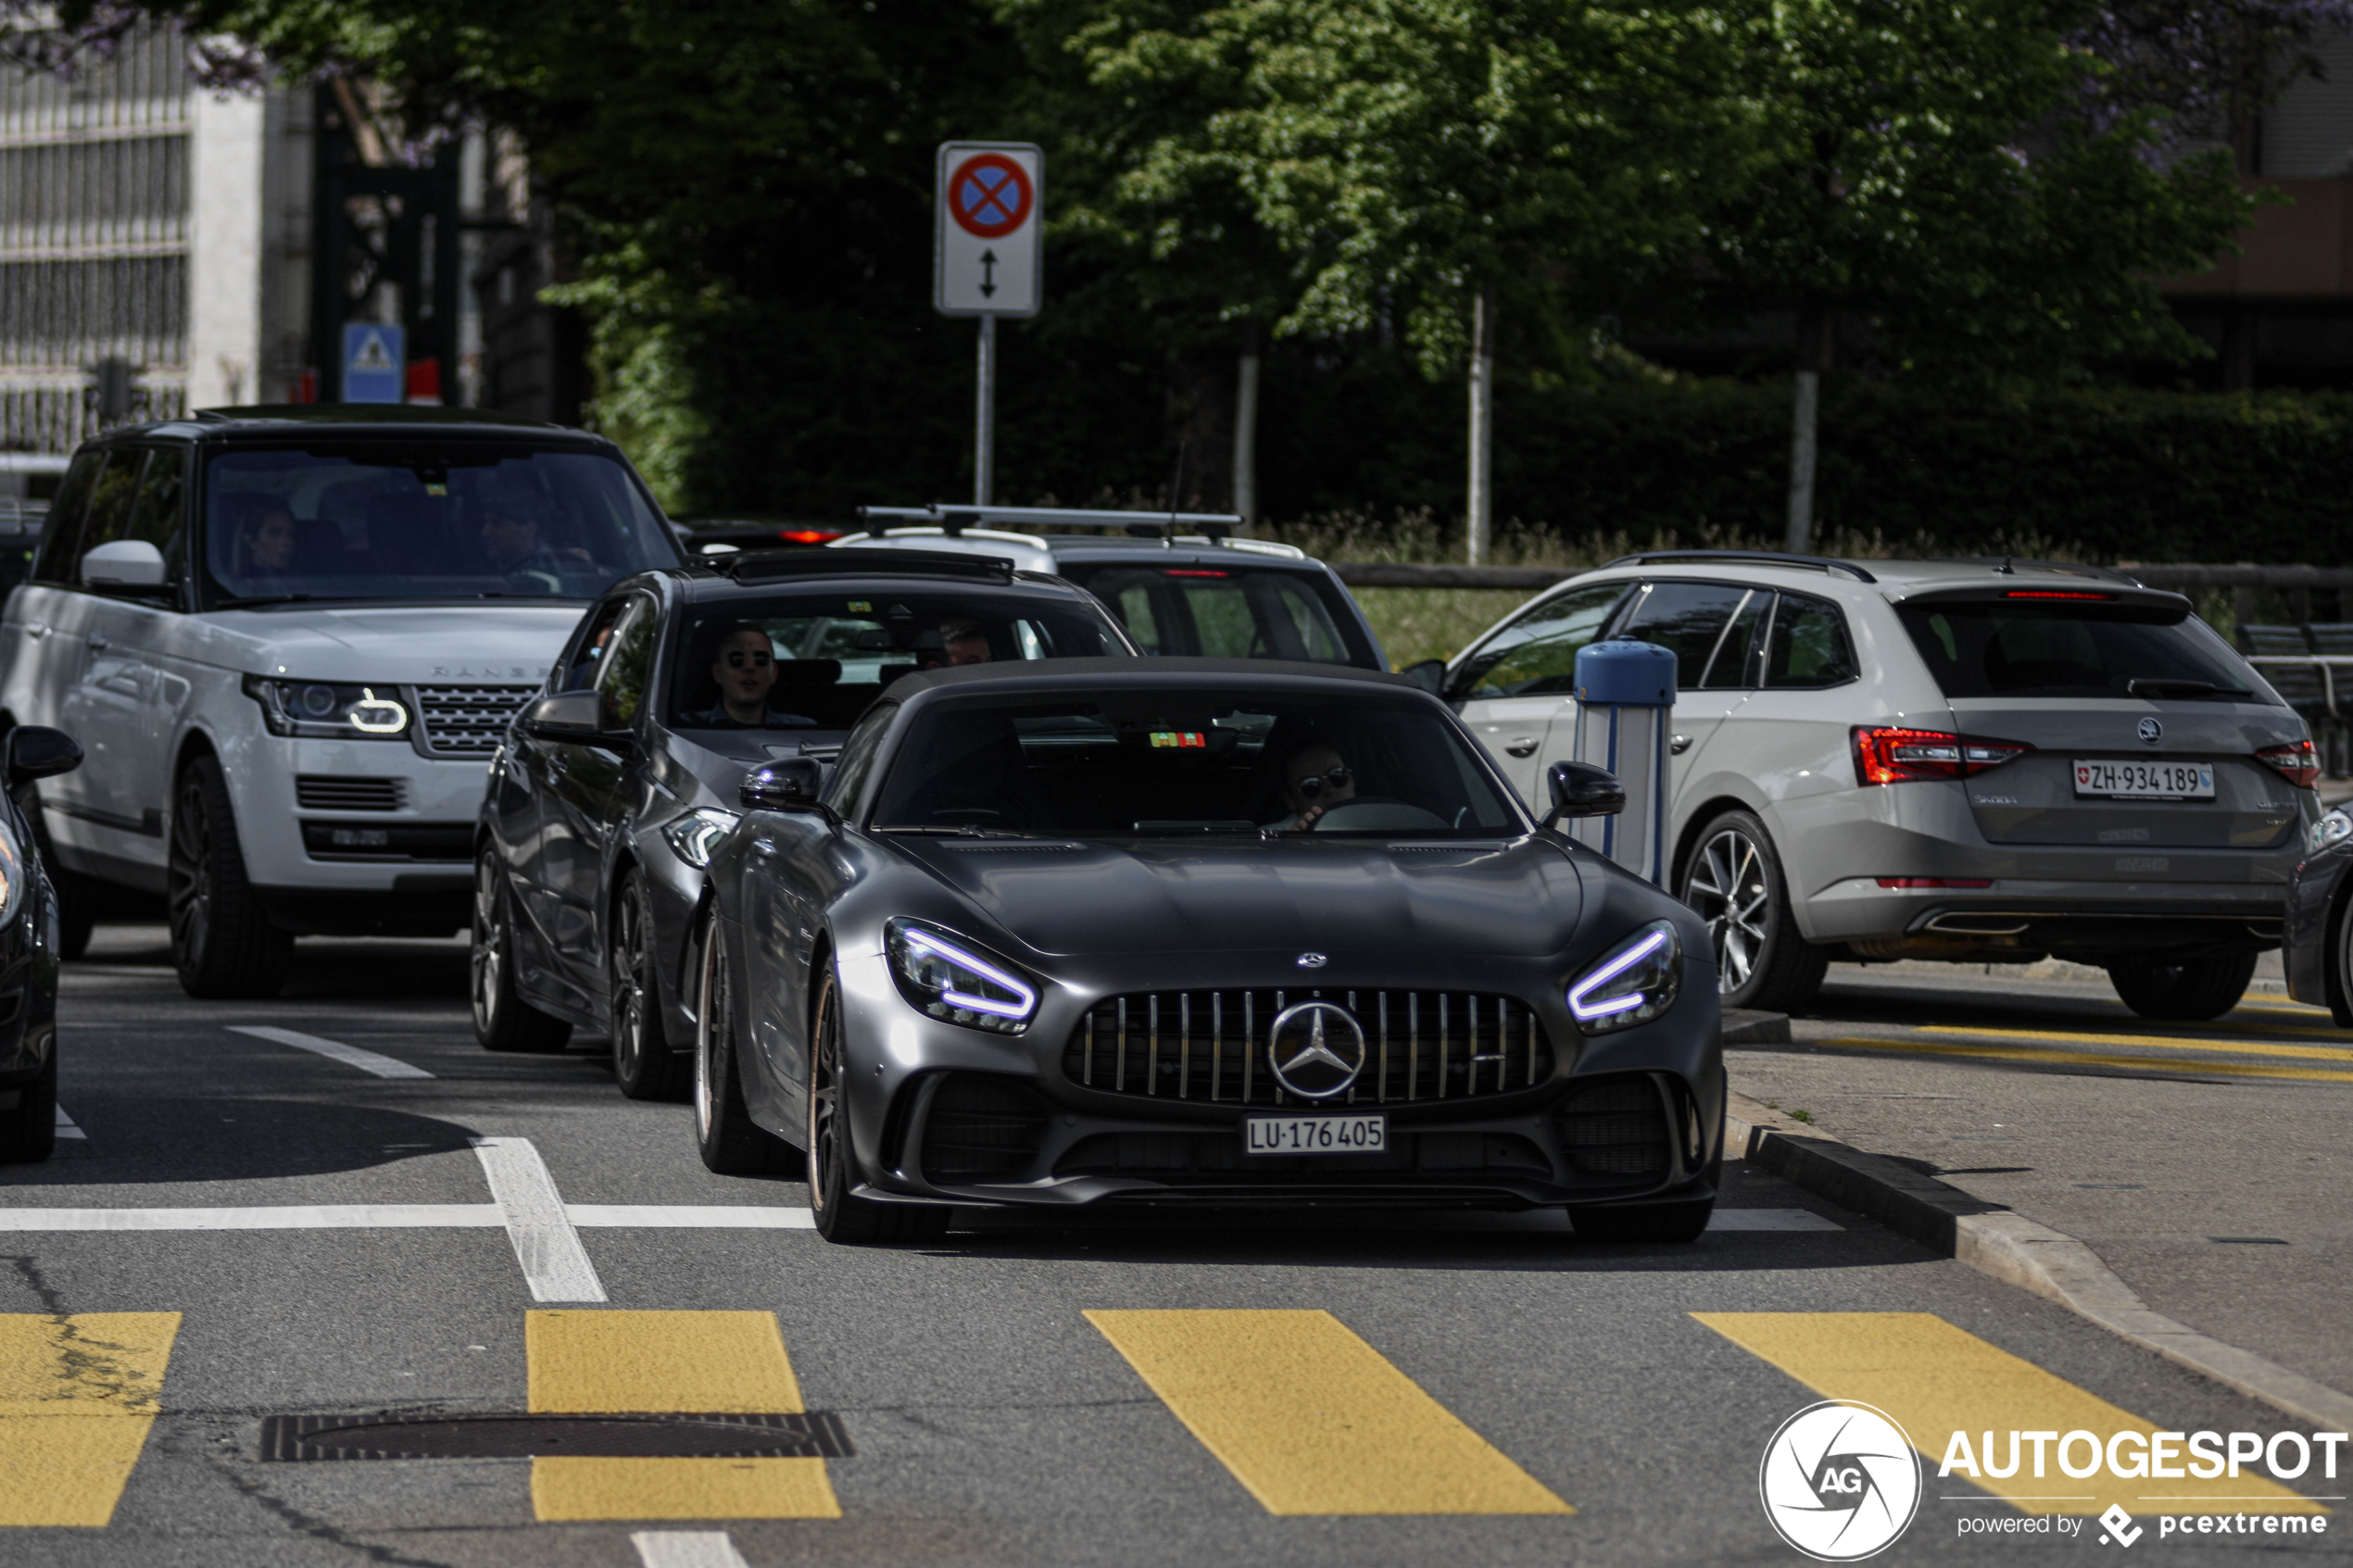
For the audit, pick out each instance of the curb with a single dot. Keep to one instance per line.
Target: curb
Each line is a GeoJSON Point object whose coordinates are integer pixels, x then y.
{"type": "Point", "coordinates": [2015, 1249]}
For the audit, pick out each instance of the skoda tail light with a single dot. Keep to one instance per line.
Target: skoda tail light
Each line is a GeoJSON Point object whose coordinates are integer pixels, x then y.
{"type": "Point", "coordinates": [2297, 763]}
{"type": "Point", "coordinates": [1888, 754]}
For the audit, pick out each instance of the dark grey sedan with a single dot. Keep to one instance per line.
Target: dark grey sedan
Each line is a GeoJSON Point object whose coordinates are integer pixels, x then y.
{"type": "Point", "coordinates": [1194, 930]}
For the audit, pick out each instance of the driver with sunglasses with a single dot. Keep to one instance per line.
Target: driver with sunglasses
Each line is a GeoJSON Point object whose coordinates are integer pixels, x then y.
{"type": "Point", "coordinates": [1315, 780]}
{"type": "Point", "coordinates": [745, 670]}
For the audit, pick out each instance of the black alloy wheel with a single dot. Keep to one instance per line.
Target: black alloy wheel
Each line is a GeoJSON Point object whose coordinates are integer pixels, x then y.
{"type": "Point", "coordinates": [29, 1132]}
{"type": "Point", "coordinates": [842, 1217]}
{"type": "Point", "coordinates": [2339, 954]}
{"type": "Point", "coordinates": [2183, 990]}
{"type": "Point", "coordinates": [729, 1140]}
{"type": "Point", "coordinates": [503, 1021]}
{"type": "Point", "coordinates": [1733, 879]}
{"type": "Point", "coordinates": [642, 1063]}
{"type": "Point", "coordinates": [222, 943]}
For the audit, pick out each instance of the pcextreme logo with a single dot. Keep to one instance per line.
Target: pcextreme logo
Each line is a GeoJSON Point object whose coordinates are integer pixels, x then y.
{"type": "Point", "coordinates": [1839, 1481]}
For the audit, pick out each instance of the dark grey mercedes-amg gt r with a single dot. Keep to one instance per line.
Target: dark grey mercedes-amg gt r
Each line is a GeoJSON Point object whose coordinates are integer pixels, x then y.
{"type": "Point", "coordinates": [1194, 930]}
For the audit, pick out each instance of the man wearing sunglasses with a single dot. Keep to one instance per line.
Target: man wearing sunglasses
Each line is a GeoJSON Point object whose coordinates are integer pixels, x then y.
{"type": "Point", "coordinates": [744, 669]}
{"type": "Point", "coordinates": [1315, 780]}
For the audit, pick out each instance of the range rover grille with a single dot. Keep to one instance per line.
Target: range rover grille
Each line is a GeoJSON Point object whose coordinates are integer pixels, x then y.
{"type": "Point", "coordinates": [467, 720]}
{"type": "Point", "coordinates": [325, 792]}
{"type": "Point", "coordinates": [1211, 1045]}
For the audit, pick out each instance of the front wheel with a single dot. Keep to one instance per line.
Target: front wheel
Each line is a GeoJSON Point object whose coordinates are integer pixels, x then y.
{"type": "Point", "coordinates": [29, 1132]}
{"type": "Point", "coordinates": [222, 943]}
{"type": "Point", "coordinates": [503, 1021]}
{"type": "Point", "coordinates": [729, 1140]}
{"type": "Point", "coordinates": [1734, 880]}
{"type": "Point", "coordinates": [841, 1216]}
{"type": "Point", "coordinates": [642, 1063]}
{"type": "Point", "coordinates": [2186, 990]}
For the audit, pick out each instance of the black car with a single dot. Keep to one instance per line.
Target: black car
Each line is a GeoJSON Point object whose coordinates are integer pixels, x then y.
{"type": "Point", "coordinates": [1197, 931]}
{"type": "Point", "coordinates": [2315, 945]}
{"type": "Point", "coordinates": [29, 937]}
{"type": "Point", "coordinates": [607, 791]}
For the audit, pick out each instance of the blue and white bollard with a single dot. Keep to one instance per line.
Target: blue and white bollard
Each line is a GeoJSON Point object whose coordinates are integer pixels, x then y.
{"type": "Point", "coordinates": [1625, 707]}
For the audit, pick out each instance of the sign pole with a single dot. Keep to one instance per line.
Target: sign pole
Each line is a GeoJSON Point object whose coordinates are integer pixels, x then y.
{"type": "Point", "coordinates": [985, 419]}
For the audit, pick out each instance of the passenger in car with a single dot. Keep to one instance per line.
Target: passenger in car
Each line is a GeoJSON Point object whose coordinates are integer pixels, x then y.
{"type": "Point", "coordinates": [268, 541]}
{"type": "Point", "coordinates": [511, 540]}
{"type": "Point", "coordinates": [744, 666]}
{"type": "Point", "coordinates": [965, 642]}
{"type": "Point", "coordinates": [1316, 779]}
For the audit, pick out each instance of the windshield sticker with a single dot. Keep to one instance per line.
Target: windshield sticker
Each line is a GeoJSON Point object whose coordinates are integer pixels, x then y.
{"type": "Point", "coordinates": [1182, 739]}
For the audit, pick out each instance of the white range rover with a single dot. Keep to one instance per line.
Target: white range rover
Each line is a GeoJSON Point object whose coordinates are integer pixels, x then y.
{"type": "Point", "coordinates": [289, 641]}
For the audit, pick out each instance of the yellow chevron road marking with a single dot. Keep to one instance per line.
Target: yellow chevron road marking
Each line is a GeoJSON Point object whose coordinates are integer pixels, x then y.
{"type": "Point", "coordinates": [585, 1362]}
{"type": "Point", "coordinates": [78, 1394]}
{"type": "Point", "coordinates": [1312, 1419]}
{"type": "Point", "coordinates": [2087, 1059]}
{"type": "Point", "coordinates": [1937, 1380]}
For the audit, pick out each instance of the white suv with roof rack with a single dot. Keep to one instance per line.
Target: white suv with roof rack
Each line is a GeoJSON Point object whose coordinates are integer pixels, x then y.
{"type": "Point", "coordinates": [1182, 584]}
{"type": "Point", "coordinates": [1968, 761]}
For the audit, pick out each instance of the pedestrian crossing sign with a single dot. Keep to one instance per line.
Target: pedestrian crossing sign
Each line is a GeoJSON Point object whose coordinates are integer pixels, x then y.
{"type": "Point", "coordinates": [374, 363]}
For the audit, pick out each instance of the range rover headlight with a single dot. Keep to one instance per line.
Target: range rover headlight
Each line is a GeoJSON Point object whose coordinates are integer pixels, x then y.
{"type": "Point", "coordinates": [692, 836]}
{"type": "Point", "coordinates": [942, 974]}
{"type": "Point", "coordinates": [322, 711]}
{"type": "Point", "coordinates": [2334, 828]}
{"type": "Point", "coordinates": [1633, 984]}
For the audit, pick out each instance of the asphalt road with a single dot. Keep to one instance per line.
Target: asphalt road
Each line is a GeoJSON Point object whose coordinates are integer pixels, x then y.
{"type": "Point", "coordinates": [1333, 1389]}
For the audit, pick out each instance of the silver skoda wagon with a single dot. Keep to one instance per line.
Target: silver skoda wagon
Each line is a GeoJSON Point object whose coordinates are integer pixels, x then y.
{"type": "Point", "coordinates": [1968, 761]}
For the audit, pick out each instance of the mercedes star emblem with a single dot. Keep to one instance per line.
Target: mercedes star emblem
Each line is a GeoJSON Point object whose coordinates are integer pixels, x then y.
{"type": "Point", "coordinates": [2150, 731]}
{"type": "Point", "coordinates": [1316, 1049]}
{"type": "Point", "coordinates": [1312, 960]}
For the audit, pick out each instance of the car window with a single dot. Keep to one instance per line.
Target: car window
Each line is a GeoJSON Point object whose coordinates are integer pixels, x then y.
{"type": "Point", "coordinates": [588, 657]}
{"type": "Point", "coordinates": [1731, 667]}
{"type": "Point", "coordinates": [1535, 653]}
{"type": "Point", "coordinates": [1808, 646]}
{"type": "Point", "coordinates": [108, 517]}
{"type": "Point", "coordinates": [2068, 648]}
{"type": "Point", "coordinates": [626, 665]}
{"type": "Point", "coordinates": [858, 759]}
{"type": "Point", "coordinates": [1222, 612]}
{"type": "Point", "coordinates": [1688, 619]}
{"type": "Point", "coordinates": [155, 514]}
{"type": "Point", "coordinates": [61, 537]}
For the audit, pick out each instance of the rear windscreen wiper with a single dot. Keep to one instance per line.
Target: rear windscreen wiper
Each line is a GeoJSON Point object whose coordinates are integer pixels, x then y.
{"type": "Point", "coordinates": [2162, 687]}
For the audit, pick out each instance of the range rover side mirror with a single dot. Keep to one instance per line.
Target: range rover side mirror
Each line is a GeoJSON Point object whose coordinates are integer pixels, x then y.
{"type": "Point", "coordinates": [1579, 789]}
{"type": "Point", "coordinates": [790, 785]}
{"type": "Point", "coordinates": [131, 565]}
{"type": "Point", "coordinates": [1429, 674]}
{"type": "Point", "coordinates": [35, 751]}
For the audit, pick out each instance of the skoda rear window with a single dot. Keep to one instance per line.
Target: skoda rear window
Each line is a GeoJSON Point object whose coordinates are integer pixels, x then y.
{"type": "Point", "coordinates": [380, 520]}
{"type": "Point", "coordinates": [2004, 647]}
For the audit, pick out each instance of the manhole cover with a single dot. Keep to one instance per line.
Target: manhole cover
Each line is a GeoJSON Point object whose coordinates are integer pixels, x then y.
{"type": "Point", "coordinates": [815, 1436]}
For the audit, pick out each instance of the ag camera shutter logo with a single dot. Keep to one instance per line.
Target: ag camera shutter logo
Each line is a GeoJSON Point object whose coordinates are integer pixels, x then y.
{"type": "Point", "coordinates": [1839, 1481]}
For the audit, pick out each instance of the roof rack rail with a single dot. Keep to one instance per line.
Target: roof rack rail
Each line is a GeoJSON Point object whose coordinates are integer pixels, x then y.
{"type": "Point", "coordinates": [1768, 558]}
{"type": "Point", "coordinates": [768, 566]}
{"type": "Point", "coordinates": [952, 520]}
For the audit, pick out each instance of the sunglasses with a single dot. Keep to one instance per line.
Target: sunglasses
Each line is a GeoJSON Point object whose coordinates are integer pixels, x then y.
{"type": "Point", "coordinates": [1314, 784]}
{"type": "Point", "coordinates": [737, 658]}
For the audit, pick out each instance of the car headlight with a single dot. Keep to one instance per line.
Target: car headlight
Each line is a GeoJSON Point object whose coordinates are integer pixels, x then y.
{"type": "Point", "coordinates": [942, 974]}
{"type": "Point", "coordinates": [1635, 982]}
{"type": "Point", "coordinates": [12, 878]}
{"type": "Point", "coordinates": [692, 836]}
{"type": "Point", "coordinates": [323, 710]}
{"type": "Point", "coordinates": [2334, 828]}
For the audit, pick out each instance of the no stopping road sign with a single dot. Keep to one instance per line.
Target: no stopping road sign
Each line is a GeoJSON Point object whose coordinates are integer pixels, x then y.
{"type": "Point", "coordinates": [985, 253]}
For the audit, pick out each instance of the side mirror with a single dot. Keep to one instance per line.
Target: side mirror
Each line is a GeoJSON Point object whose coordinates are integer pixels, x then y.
{"type": "Point", "coordinates": [1429, 674]}
{"type": "Point", "coordinates": [790, 785]}
{"type": "Point", "coordinates": [37, 752]}
{"type": "Point", "coordinates": [1579, 789]}
{"type": "Point", "coordinates": [572, 716]}
{"type": "Point", "coordinates": [124, 564]}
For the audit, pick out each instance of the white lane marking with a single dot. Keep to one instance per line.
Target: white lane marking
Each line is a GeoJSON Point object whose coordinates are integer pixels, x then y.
{"type": "Point", "coordinates": [66, 1129]}
{"type": "Point", "coordinates": [554, 1263]}
{"type": "Point", "coordinates": [687, 1549]}
{"type": "Point", "coordinates": [350, 1055]}
{"type": "Point", "coordinates": [691, 1216]}
{"type": "Point", "coordinates": [1770, 1219]}
{"type": "Point", "coordinates": [319, 1217]}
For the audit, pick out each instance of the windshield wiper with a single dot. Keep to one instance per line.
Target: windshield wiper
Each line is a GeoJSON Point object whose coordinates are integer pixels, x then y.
{"type": "Point", "coordinates": [248, 600]}
{"type": "Point", "coordinates": [2163, 686]}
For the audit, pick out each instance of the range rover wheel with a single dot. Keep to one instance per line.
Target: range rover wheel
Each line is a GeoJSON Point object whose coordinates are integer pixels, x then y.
{"type": "Point", "coordinates": [2188, 990]}
{"type": "Point", "coordinates": [503, 1021]}
{"type": "Point", "coordinates": [1733, 878]}
{"type": "Point", "coordinates": [841, 1216]}
{"type": "Point", "coordinates": [729, 1140]}
{"type": "Point", "coordinates": [222, 942]}
{"type": "Point", "coordinates": [29, 1132]}
{"type": "Point", "coordinates": [642, 1063]}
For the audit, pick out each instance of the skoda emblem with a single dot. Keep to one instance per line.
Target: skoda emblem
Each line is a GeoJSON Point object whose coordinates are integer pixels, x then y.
{"type": "Point", "coordinates": [1312, 961]}
{"type": "Point", "coordinates": [2150, 731]}
{"type": "Point", "coordinates": [1315, 1048]}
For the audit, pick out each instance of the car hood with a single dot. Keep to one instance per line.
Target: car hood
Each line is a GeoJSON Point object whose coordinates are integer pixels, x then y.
{"type": "Point", "coordinates": [501, 641]}
{"type": "Point", "coordinates": [1518, 898]}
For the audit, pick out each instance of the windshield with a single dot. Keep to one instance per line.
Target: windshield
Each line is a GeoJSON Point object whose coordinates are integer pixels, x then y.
{"type": "Point", "coordinates": [816, 660]}
{"type": "Point", "coordinates": [1175, 761]}
{"type": "Point", "coordinates": [378, 520]}
{"type": "Point", "coordinates": [2008, 648]}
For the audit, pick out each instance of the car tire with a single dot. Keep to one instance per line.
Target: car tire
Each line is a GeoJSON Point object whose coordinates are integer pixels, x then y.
{"type": "Point", "coordinates": [2336, 964]}
{"type": "Point", "coordinates": [643, 1064]}
{"type": "Point", "coordinates": [503, 1021]}
{"type": "Point", "coordinates": [729, 1140]}
{"type": "Point", "coordinates": [2184, 991]}
{"type": "Point", "coordinates": [222, 943]}
{"type": "Point", "coordinates": [842, 1217]}
{"type": "Point", "coordinates": [1733, 878]}
{"type": "Point", "coordinates": [29, 1132]}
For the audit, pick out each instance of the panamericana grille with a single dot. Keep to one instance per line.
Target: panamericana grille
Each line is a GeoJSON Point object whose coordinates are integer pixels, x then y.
{"type": "Point", "coordinates": [467, 720]}
{"type": "Point", "coordinates": [1211, 1046]}
{"type": "Point", "coordinates": [1616, 1127]}
{"type": "Point", "coordinates": [323, 792]}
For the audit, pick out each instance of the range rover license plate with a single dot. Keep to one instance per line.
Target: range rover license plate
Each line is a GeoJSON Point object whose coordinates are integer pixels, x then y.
{"type": "Point", "coordinates": [2145, 781]}
{"type": "Point", "coordinates": [1315, 1134]}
